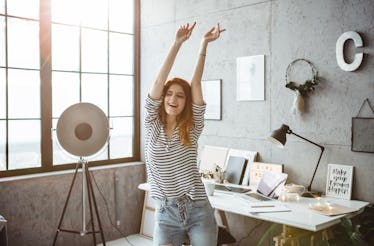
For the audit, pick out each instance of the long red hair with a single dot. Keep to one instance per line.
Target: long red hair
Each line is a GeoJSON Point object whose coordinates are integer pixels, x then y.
{"type": "Point", "coordinates": [185, 118]}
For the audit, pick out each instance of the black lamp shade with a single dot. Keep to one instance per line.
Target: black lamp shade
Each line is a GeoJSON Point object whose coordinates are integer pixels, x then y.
{"type": "Point", "coordinates": [278, 137]}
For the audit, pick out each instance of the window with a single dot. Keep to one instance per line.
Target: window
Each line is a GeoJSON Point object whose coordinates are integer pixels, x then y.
{"type": "Point", "coordinates": [54, 54]}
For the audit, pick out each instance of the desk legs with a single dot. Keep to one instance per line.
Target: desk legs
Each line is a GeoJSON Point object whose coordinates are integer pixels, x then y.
{"type": "Point", "coordinates": [292, 236]}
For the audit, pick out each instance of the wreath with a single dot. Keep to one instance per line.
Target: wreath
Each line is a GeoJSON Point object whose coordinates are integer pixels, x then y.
{"type": "Point", "coordinates": [309, 85]}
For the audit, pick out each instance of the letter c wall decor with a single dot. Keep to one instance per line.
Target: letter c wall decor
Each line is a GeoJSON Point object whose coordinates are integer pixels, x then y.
{"type": "Point", "coordinates": [340, 51]}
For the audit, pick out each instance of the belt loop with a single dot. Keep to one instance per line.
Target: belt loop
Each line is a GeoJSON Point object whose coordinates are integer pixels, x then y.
{"type": "Point", "coordinates": [164, 201]}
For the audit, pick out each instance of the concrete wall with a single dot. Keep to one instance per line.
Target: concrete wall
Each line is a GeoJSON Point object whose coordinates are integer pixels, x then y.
{"type": "Point", "coordinates": [282, 30]}
{"type": "Point", "coordinates": [33, 206]}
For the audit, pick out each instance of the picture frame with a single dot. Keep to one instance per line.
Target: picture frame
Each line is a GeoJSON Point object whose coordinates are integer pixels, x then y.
{"type": "Point", "coordinates": [339, 181]}
{"type": "Point", "coordinates": [212, 92]}
{"type": "Point", "coordinates": [362, 135]}
{"type": "Point", "coordinates": [363, 130]}
{"type": "Point", "coordinates": [250, 78]}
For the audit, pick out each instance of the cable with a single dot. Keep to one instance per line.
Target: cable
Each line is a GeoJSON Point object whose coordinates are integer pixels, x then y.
{"type": "Point", "coordinates": [108, 213]}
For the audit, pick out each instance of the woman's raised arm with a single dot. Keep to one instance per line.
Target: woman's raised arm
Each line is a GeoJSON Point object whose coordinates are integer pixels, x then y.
{"type": "Point", "coordinates": [197, 94]}
{"type": "Point", "coordinates": [183, 33]}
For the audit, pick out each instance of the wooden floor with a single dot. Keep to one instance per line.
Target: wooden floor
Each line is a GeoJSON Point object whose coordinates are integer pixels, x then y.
{"type": "Point", "coordinates": [135, 240]}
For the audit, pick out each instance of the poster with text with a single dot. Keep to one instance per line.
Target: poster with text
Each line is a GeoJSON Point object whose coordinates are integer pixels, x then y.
{"type": "Point", "coordinates": [339, 181]}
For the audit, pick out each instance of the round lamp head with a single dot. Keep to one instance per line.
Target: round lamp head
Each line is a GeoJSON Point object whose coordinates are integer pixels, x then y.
{"type": "Point", "coordinates": [82, 129]}
{"type": "Point", "coordinates": [278, 137]}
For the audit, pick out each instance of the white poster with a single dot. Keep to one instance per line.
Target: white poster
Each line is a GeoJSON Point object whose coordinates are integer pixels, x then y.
{"type": "Point", "coordinates": [250, 78]}
{"type": "Point", "coordinates": [339, 181]}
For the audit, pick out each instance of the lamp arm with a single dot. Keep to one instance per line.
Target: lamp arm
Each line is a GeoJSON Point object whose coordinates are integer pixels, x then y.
{"type": "Point", "coordinates": [319, 159]}
{"type": "Point", "coordinates": [315, 170]}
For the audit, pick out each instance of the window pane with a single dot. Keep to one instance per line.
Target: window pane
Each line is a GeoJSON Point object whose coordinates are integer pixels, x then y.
{"type": "Point", "coordinates": [121, 15]}
{"type": "Point", "coordinates": [121, 53]}
{"type": "Point", "coordinates": [121, 137]}
{"type": "Point", "coordinates": [60, 156]}
{"type": "Point", "coordinates": [66, 11]}
{"type": "Point", "coordinates": [2, 6]}
{"type": "Point", "coordinates": [23, 43]}
{"type": "Point", "coordinates": [24, 85]}
{"type": "Point", "coordinates": [65, 48]}
{"type": "Point", "coordinates": [24, 144]}
{"type": "Point", "coordinates": [24, 8]}
{"type": "Point", "coordinates": [95, 90]}
{"type": "Point", "coordinates": [65, 91]}
{"type": "Point", "coordinates": [2, 145]}
{"type": "Point", "coordinates": [95, 13]}
{"type": "Point", "coordinates": [121, 95]}
{"type": "Point", "coordinates": [94, 51]}
{"type": "Point", "coordinates": [2, 94]}
{"type": "Point", "coordinates": [2, 41]}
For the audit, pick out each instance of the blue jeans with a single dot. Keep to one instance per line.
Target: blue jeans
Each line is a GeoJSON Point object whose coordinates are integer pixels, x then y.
{"type": "Point", "coordinates": [176, 217]}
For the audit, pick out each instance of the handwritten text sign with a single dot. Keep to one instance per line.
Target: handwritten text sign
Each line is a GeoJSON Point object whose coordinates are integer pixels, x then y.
{"type": "Point", "coordinates": [339, 181]}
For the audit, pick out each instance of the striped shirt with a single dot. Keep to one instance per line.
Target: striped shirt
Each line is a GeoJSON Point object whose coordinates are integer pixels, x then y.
{"type": "Point", "coordinates": [172, 167]}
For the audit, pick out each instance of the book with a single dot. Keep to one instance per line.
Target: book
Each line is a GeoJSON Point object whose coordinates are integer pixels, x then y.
{"type": "Point", "coordinates": [271, 183]}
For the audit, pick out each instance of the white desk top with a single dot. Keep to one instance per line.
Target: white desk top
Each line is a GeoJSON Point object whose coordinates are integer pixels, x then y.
{"type": "Point", "coordinates": [299, 216]}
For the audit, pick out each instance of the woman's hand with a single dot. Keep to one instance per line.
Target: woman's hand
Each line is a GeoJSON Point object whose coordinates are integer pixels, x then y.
{"type": "Point", "coordinates": [184, 32]}
{"type": "Point", "coordinates": [213, 33]}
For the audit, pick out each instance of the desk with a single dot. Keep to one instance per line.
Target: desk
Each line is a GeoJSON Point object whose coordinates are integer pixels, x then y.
{"type": "Point", "coordinates": [299, 216]}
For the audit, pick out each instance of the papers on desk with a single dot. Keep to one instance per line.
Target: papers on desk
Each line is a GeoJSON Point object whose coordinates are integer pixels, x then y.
{"type": "Point", "coordinates": [263, 206]}
{"type": "Point", "coordinates": [331, 209]}
{"type": "Point", "coordinates": [268, 208]}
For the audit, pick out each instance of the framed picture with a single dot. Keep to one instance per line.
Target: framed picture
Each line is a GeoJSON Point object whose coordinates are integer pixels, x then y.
{"type": "Point", "coordinates": [250, 78]}
{"type": "Point", "coordinates": [212, 95]}
{"type": "Point", "coordinates": [339, 181]}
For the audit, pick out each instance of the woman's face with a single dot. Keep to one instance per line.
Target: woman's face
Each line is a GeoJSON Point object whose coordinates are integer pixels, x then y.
{"type": "Point", "coordinates": [175, 100]}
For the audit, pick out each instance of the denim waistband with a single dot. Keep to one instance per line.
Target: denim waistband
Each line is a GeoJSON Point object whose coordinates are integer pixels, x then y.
{"type": "Point", "coordinates": [176, 200]}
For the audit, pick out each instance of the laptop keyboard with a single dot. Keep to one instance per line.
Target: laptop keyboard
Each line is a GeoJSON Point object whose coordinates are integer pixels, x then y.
{"type": "Point", "coordinates": [259, 197]}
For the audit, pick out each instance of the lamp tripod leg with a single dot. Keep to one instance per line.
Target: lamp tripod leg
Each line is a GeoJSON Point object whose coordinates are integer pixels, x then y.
{"type": "Point", "coordinates": [91, 194]}
{"type": "Point", "coordinates": [91, 199]}
{"type": "Point", "coordinates": [90, 204]}
{"type": "Point", "coordinates": [65, 206]}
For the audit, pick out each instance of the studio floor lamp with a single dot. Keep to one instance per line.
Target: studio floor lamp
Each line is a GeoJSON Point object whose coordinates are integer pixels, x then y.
{"type": "Point", "coordinates": [278, 137]}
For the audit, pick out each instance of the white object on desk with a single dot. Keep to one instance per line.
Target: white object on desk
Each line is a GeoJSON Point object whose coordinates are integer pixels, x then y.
{"type": "Point", "coordinates": [211, 157]}
{"type": "Point", "coordinates": [255, 206]}
{"type": "Point", "coordinates": [250, 156]}
{"type": "Point", "coordinates": [258, 168]}
{"type": "Point", "coordinates": [339, 181]}
{"type": "Point", "coordinates": [209, 187]}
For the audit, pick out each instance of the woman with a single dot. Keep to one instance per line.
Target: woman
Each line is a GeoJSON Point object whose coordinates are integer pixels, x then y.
{"type": "Point", "coordinates": [174, 121]}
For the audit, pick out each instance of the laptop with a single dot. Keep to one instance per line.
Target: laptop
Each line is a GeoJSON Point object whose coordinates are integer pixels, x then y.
{"type": "Point", "coordinates": [223, 187]}
{"type": "Point", "coordinates": [269, 187]}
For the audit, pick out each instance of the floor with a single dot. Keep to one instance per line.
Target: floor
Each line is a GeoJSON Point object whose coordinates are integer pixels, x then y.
{"type": "Point", "coordinates": [135, 240]}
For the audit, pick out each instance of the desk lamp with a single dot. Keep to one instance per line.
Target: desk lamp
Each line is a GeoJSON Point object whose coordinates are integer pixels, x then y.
{"type": "Point", "coordinates": [278, 137]}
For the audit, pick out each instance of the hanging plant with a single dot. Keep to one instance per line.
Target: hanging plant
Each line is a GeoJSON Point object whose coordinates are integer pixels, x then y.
{"type": "Point", "coordinates": [309, 85]}
{"type": "Point", "coordinates": [301, 90]}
